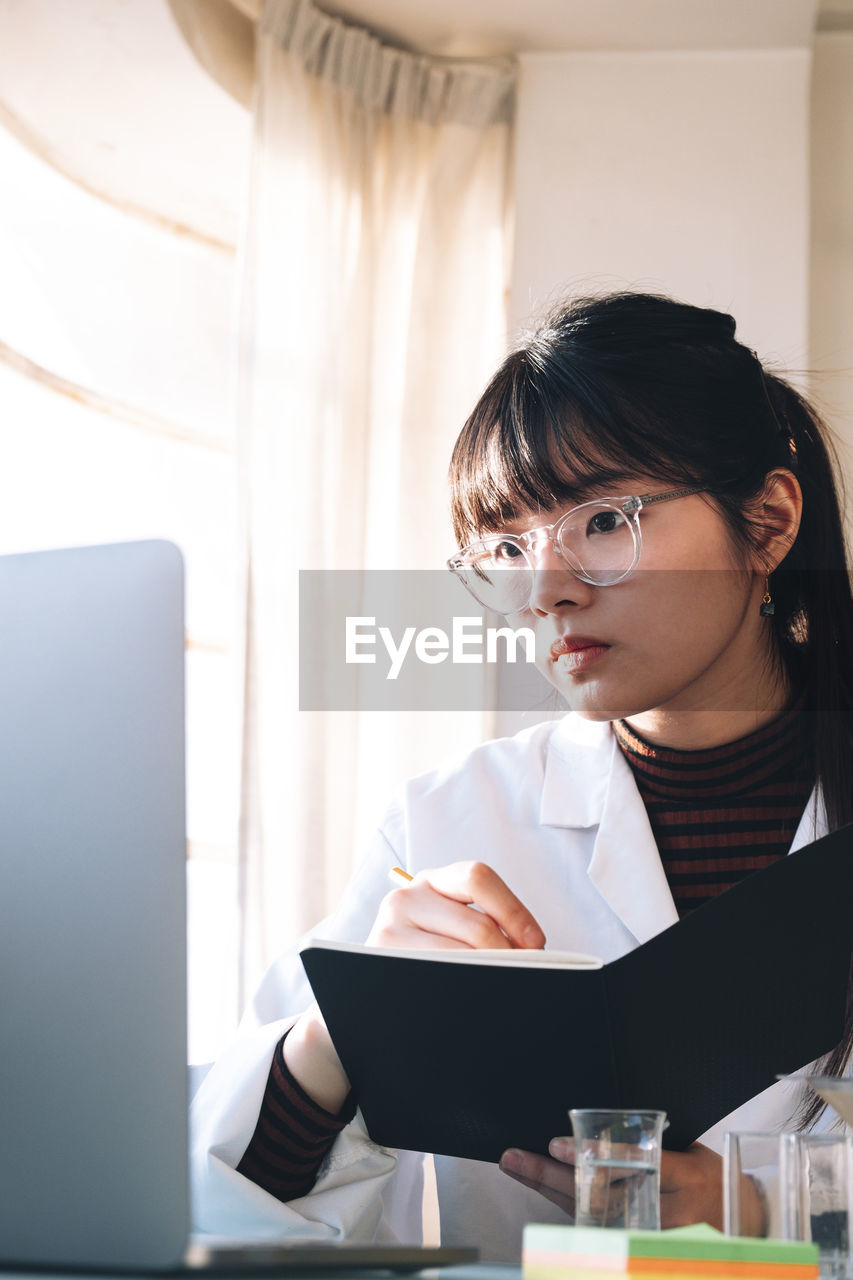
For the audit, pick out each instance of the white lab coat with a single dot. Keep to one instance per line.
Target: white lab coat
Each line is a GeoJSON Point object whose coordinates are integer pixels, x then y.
{"type": "Point", "coordinates": [556, 812]}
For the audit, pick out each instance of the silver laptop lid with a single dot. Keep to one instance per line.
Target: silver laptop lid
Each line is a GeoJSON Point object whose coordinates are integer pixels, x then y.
{"type": "Point", "coordinates": [93, 1107]}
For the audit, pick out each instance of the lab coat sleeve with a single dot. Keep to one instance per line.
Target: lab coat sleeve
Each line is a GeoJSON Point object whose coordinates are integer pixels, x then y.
{"type": "Point", "coordinates": [352, 1186]}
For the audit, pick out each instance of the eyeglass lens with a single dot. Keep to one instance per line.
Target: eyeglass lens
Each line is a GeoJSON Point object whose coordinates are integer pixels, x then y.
{"type": "Point", "coordinates": [597, 541]}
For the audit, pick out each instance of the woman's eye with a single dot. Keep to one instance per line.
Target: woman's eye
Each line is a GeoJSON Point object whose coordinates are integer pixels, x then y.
{"type": "Point", "coordinates": [604, 522]}
{"type": "Point", "coordinates": [507, 551]}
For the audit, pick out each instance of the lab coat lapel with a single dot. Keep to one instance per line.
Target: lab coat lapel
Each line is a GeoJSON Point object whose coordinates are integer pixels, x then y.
{"type": "Point", "coordinates": [626, 867]}
{"type": "Point", "coordinates": [588, 783]}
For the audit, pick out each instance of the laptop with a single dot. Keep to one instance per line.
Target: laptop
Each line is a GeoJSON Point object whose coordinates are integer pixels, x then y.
{"type": "Point", "coordinates": [93, 1019]}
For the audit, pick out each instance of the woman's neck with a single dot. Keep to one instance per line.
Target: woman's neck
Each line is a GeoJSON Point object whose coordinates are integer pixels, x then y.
{"type": "Point", "coordinates": [689, 729]}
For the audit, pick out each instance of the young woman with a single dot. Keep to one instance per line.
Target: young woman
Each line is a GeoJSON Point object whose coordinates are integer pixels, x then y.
{"type": "Point", "coordinates": [661, 511]}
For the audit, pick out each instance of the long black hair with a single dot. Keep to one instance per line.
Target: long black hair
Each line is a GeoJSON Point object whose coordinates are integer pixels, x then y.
{"type": "Point", "coordinates": [648, 384]}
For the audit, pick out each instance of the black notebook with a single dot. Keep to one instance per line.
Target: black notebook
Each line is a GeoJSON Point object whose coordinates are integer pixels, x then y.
{"type": "Point", "coordinates": [468, 1058]}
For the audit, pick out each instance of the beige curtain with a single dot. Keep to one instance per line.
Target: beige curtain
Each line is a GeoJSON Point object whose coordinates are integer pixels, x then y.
{"type": "Point", "coordinates": [373, 311]}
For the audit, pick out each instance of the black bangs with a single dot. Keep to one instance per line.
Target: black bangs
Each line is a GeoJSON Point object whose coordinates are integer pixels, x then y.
{"type": "Point", "coordinates": [537, 440]}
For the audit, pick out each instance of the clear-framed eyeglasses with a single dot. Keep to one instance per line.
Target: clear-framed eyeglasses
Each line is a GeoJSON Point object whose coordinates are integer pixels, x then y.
{"type": "Point", "coordinates": [600, 541]}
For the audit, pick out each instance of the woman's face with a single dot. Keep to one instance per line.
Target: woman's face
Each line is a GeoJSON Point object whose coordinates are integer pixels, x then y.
{"type": "Point", "coordinates": [682, 633]}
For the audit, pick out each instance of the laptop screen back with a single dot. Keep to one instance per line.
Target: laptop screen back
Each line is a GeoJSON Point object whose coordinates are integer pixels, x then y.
{"type": "Point", "coordinates": [93, 1144]}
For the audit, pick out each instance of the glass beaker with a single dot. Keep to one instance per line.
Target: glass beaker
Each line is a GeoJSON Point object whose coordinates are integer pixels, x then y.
{"type": "Point", "coordinates": [617, 1168]}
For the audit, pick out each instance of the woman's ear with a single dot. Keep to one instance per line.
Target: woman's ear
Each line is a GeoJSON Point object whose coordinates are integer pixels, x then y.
{"type": "Point", "coordinates": [776, 517]}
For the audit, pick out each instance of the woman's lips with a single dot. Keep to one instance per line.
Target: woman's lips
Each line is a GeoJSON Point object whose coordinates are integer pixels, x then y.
{"type": "Point", "coordinates": [576, 653]}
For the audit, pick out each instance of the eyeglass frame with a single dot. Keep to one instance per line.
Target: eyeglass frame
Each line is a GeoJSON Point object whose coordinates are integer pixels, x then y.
{"type": "Point", "coordinates": [630, 505]}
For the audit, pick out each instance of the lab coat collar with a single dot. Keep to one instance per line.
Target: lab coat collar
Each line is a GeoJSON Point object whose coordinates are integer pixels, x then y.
{"type": "Point", "coordinates": [577, 772]}
{"type": "Point", "coordinates": [588, 783]}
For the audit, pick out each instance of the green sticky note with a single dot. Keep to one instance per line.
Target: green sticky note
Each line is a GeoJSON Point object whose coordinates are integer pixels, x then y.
{"type": "Point", "coordinates": [697, 1242]}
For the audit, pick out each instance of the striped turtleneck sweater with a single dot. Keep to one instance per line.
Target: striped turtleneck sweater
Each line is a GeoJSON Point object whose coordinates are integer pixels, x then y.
{"type": "Point", "coordinates": [719, 814]}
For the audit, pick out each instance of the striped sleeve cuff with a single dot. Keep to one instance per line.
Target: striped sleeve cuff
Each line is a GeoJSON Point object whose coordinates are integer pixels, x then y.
{"type": "Point", "coordinates": [292, 1136]}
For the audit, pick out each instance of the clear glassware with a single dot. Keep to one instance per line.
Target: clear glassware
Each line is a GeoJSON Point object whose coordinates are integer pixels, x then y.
{"type": "Point", "coordinates": [617, 1168]}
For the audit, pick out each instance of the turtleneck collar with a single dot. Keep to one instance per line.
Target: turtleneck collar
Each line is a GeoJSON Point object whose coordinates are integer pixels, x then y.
{"type": "Point", "coordinates": [733, 769]}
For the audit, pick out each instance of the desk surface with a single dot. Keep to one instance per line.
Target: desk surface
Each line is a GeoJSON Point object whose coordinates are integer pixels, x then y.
{"type": "Point", "coordinates": [475, 1271]}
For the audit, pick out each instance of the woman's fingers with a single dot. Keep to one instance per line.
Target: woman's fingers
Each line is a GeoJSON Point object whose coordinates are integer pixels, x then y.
{"type": "Point", "coordinates": [436, 911]}
{"type": "Point", "coordinates": [691, 1183]}
{"type": "Point", "coordinates": [421, 919]}
{"type": "Point", "coordinates": [477, 884]}
{"type": "Point", "coordinates": [552, 1179]}
{"type": "Point", "coordinates": [563, 1149]}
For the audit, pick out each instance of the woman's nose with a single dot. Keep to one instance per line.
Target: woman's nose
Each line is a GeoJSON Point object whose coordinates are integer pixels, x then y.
{"type": "Point", "coordinates": [554, 582]}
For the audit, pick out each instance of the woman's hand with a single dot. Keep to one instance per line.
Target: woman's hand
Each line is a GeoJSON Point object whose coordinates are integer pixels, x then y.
{"type": "Point", "coordinates": [432, 912]}
{"type": "Point", "coordinates": [435, 912]}
{"type": "Point", "coordinates": [553, 1179]}
{"type": "Point", "coordinates": [691, 1184]}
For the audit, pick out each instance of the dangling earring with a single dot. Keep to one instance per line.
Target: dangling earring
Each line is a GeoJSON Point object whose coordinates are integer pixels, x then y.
{"type": "Point", "coordinates": [768, 608]}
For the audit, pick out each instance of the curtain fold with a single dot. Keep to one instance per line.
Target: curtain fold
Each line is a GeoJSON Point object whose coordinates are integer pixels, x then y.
{"type": "Point", "coordinates": [373, 310]}
{"type": "Point", "coordinates": [386, 79]}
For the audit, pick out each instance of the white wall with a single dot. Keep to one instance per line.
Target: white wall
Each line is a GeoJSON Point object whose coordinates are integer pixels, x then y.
{"type": "Point", "coordinates": [684, 172]}
{"type": "Point", "coordinates": [831, 353]}
{"type": "Point", "coordinates": [723, 177]}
